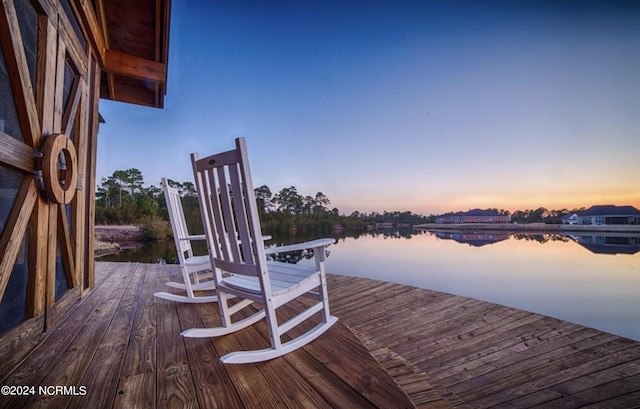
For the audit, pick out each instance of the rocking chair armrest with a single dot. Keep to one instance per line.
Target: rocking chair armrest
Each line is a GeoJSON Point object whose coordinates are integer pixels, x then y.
{"type": "Point", "coordinates": [195, 237]}
{"type": "Point", "coordinates": [300, 246]}
{"type": "Point", "coordinates": [203, 237]}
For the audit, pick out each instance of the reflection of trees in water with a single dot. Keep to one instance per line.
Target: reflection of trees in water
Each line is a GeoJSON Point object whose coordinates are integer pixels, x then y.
{"type": "Point", "coordinates": [501, 234]}
{"type": "Point", "coordinates": [291, 238]}
{"type": "Point", "coordinates": [154, 252]}
{"type": "Point", "coordinates": [150, 252]}
{"type": "Point", "coordinates": [540, 237]}
{"type": "Point", "coordinates": [165, 251]}
{"type": "Point", "coordinates": [396, 233]}
{"type": "Point", "coordinates": [293, 257]}
{"type": "Point", "coordinates": [296, 256]}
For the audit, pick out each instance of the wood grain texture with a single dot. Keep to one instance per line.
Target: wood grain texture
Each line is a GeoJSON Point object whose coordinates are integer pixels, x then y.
{"type": "Point", "coordinates": [124, 345]}
{"type": "Point", "coordinates": [16, 61]}
{"type": "Point", "coordinates": [479, 354]}
{"type": "Point", "coordinates": [136, 67]}
{"type": "Point", "coordinates": [16, 154]}
{"type": "Point", "coordinates": [12, 238]}
{"type": "Point", "coordinates": [93, 25]}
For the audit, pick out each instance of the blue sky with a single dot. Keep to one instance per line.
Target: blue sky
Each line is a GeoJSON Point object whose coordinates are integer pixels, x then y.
{"type": "Point", "coordinates": [413, 105]}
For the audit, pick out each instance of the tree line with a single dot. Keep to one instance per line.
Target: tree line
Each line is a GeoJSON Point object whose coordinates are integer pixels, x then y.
{"type": "Point", "coordinates": [539, 215]}
{"type": "Point", "coordinates": [122, 199]}
{"type": "Point", "coordinates": [542, 215]}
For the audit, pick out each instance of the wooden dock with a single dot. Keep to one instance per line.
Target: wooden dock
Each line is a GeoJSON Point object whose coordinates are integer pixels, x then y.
{"type": "Point", "coordinates": [395, 346]}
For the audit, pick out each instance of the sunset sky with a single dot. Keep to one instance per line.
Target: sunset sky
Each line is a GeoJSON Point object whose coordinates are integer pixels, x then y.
{"type": "Point", "coordinates": [414, 105]}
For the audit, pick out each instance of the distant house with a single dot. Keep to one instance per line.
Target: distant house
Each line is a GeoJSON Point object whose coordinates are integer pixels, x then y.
{"type": "Point", "coordinates": [473, 216]}
{"type": "Point", "coordinates": [570, 219]}
{"type": "Point", "coordinates": [609, 214]}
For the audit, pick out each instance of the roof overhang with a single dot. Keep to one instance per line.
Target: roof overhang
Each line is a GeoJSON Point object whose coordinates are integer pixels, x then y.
{"type": "Point", "coordinates": [131, 39]}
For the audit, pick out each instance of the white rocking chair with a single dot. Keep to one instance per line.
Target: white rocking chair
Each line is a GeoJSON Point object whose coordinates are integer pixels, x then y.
{"type": "Point", "coordinates": [194, 268]}
{"type": "Point", "coordinates": [229, 210]}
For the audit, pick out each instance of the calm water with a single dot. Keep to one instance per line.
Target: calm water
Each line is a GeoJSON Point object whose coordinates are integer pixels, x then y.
{"type": "Point", "coordinates": [590, 280]}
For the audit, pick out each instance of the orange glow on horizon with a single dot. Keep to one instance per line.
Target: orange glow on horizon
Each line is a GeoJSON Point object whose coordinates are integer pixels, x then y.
{"type": "Point", "coordinates": [507, 203]}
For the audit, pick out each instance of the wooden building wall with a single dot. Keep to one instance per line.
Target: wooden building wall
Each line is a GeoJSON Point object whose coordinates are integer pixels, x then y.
{"type": "Point", "coordinates": [54, 56]}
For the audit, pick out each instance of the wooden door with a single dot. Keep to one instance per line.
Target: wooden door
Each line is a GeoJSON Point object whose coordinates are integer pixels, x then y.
{"type": "Point", "coordinates": [45, 78]}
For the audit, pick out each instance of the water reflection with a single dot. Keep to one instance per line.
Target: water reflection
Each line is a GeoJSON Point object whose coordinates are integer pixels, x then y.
{"type": "Point", "coordinates": [609, 244]}
{"type": "Point", "coordinates": [540, 237]}
{"type": "Point", "coordinates": [546, 273]}
{"type": "Point", "coordinates": [612, 243]}
{"type": "Point", "coordinates": [481, 238]}
{"type": "Point", "coordinates": [294, 257]}
{"type": "Point", "coordinates": [152, 252]}
{"type": "Point", "coordinates": [471, 238]}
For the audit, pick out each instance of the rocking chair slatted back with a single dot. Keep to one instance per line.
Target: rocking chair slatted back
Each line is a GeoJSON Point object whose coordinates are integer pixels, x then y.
{"type": "Point", "coordinates": [177, 220]}
{"type": "Point", "coordinates": [194, 268]}
{"type": "Point", "coordinates": [232, 212]}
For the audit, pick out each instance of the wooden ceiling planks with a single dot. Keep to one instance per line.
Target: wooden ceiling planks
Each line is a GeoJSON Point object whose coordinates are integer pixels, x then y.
{"type": "Point", "coordinates": [133, 44]}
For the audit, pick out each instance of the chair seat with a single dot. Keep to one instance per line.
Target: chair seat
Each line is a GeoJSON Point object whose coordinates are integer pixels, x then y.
{"type": "Point", "coordinates": [197, 261]}
{"type": "Point", "coordinates": [284, 277]}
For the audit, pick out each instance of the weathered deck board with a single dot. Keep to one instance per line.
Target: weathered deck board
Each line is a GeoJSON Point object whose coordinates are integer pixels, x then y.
{"type": "Point", "coordinates": [106, 364]}
{"type": "Point", "coordinates": [213, 385]}
{"type": "Point", "coordinates": [394, 346]}
{"type": "Point", "coordinates": [485, 355]}
{"type": "Point", "coordinates": [137, 380]}
{"type": "Point", "coordinates": [63, 357]}
{"type": "Point", "coordinates": [175, 387]}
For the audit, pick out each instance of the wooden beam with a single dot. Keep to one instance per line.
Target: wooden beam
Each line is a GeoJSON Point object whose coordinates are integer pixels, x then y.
{"type": "Point", "coordinates": [46, 78]}
{"type": "Point", "coordinates": [46, 95]}
{"type": "Point", "coordinates": [66, 249]}
{"type": "Point", "coordinates": [74, 50]}
{"type": "Point", "coordinates": [38, 247]}
{"type": "Point", "coordinates": [97, 35]}
{"type": "Point", "coordinates": [16, 154]}
{"type": "Point", "coordinates": [69, 117]}
{"type": "Point", "coordinates": [166, 19]}
{"type": "Point", "coordinates": [92, 145]}
{"type": "Point", "coordinates": [136, 67]}
{"type": "Point", "coordinates": [79, 208]}
{"type": "Point", "coordinates": [52, 243]}
{"type": "Point", "coordinates": [166, 25]}
{"type": "Point", "coordinates": [18, 69]}
{"type": "Point", "coordinates": [158, 56]}
{"type": "Point", "coordinates": [102, 18]}
{"type": "Point", "coordinates": [58, 109]}
{"type": "Point", "coordinates": [11, 240]}
{"type": "Point", "coordinates": [135, 95]}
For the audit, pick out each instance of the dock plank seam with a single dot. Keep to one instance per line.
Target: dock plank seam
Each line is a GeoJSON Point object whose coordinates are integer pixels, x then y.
{"type": "Point", "coordinates": [425, 395]}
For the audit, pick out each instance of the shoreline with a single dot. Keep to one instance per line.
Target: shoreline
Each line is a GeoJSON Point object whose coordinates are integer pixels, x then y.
{"type": "Point", "coordinates": [110, 239]}
{"type": "Point", "coordinates": [533, 227]}
{"type": "Point", "coordinates": [117, 233]}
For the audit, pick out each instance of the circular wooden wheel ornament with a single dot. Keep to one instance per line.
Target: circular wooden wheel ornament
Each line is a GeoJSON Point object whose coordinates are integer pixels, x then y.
{"type": "Point", "coordinates": [59, 177]}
